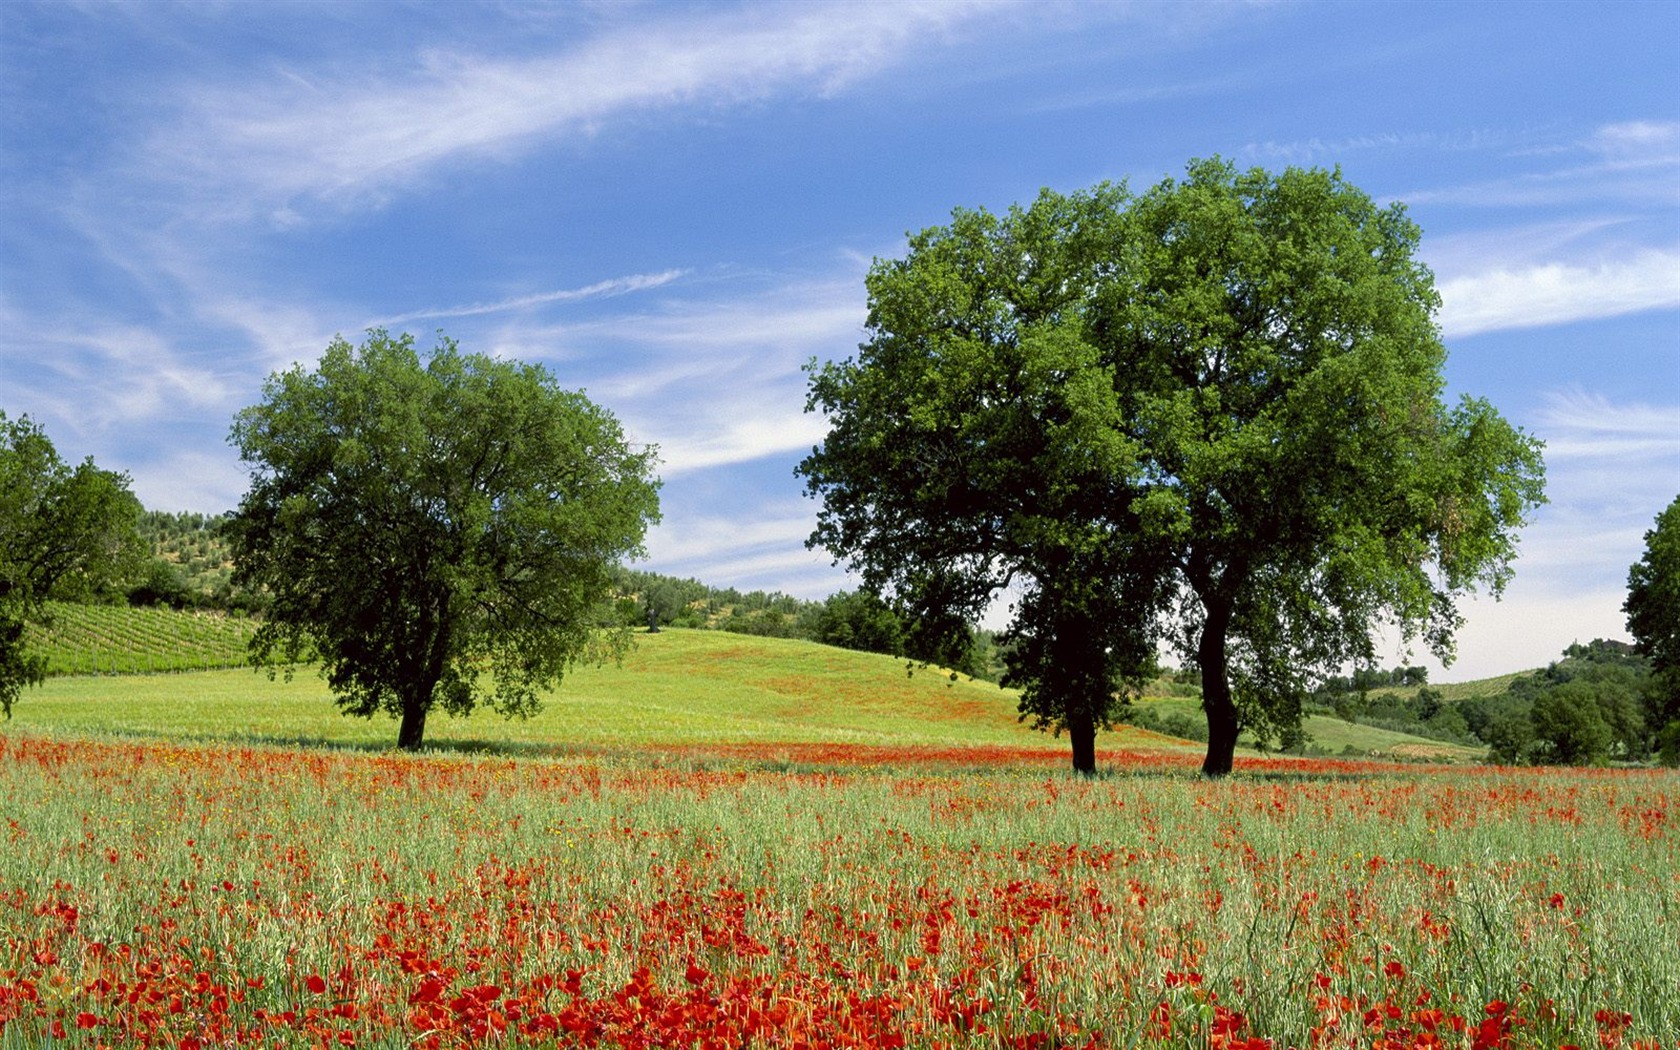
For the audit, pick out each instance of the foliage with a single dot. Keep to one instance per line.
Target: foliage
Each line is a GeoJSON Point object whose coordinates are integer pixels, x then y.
{"type": "Point", "coordinates": [1586, 709]}
{"type": "Point", "coordinates": [162, 583]}
{"type": "Point", "coordinates": [1211, 414]}
{"type": "Point", "coordinates": [859, 620]}
{"type": "Point", "coordinates": [1365, 679]}
{"type": "Point", "coordinates": [850, 620]}
{"type": "Point", "coordinates": [1653, 618]}
{"type": "Point", "coordinates": [421, 525]}
{"type": "Point", "coordinates": [191, 566]}
{"type": "Point", "coordinates": [167, 895]}
{"type": "Point", "coordinates": [65, 532]}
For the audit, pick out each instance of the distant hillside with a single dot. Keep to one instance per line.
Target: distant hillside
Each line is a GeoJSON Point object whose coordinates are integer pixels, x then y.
{"type": "Point", "coordinates": [116, 639]}
{"type": "Point", "coordinates": [1455, 691]}
{"type": "Point", "coordinates": [191, 566]}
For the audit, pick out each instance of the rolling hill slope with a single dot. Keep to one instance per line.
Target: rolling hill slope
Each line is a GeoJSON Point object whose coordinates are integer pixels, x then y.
{"type": "Point", "coordinates": [677, 689]}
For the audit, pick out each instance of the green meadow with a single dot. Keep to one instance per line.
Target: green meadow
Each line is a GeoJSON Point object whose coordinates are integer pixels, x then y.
{"type": "Point", "coordinates": [676, 688]}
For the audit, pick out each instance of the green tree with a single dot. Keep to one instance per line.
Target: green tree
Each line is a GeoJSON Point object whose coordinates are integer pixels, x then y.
{"type": "Point", "coordinates": [422, 525]}
{"type": "Point", "coordinates": [65, 533]}
{"type": "Point", "coordinates": [1210, 415]}
{"type": "Point", "coordinates": [859, 620]}
{"type": "Point", "coordinates": [1569, 726]}
{"type": "Point", "coordinates": [1653, 618]}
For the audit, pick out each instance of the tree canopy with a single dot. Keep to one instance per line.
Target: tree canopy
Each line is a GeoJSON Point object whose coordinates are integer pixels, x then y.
{"type": "Point", "coordinates": [1653, 618]}
{"type": "Point", "coordinates": [439, 532]}
{"type": "Point", "coordinates": [1210, 416]}
{"type": "Point", "coordinates": [65, 532]}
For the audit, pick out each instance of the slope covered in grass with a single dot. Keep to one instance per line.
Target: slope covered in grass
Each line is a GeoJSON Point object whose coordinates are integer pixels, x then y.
{"type": "Point", "coordinates": [677, 688]}
{"type": "Point", "coordinates": [1334, 736]}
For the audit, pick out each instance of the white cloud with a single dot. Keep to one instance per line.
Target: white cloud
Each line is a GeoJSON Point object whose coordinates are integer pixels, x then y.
{"type": "Point", "coordinates": [727, 441]}
{"type": "Point", "coordinates": [301, 138]}
{"type": "Point", "coordinates": [1641, 142]}
{"type": "Point", "coordinates": [712, 382]}
{"type": "Point", "coordinates": [599, 290]}
{"type": "Point", "coordinates": [1632, 162]}
{"type": "Point", "coordinates": [1611, 466]}
{"type": "Point", "coordinates": [1585, 426]}
{"type": "Point", "coordinates": [113, 375]}
{"type": "Point", "coordinates": [1529, 628]}
{"type": "Point", "coordinates": [1558, 293]}
{"type": "Point", "coordinates": [191, 480]}
{"type": "Point", "coordinates": [777, 526]}
{"type": "Point", "coordinates": [765, 549]}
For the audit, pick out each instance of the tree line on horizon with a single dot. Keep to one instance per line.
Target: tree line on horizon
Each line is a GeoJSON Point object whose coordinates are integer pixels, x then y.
{"type": "Point", "coordinates": [1207, 418]}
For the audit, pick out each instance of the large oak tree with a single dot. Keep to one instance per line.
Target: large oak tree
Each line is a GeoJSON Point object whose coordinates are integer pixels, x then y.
{"type": "Point", "coordinates": [1210, 415]}
{"type": "Point", "coordinates": [437, 532]}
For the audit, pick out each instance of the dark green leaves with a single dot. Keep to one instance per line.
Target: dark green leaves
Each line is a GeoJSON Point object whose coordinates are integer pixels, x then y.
{"type": "Point", "coordinates": [427, 527]}
{"type": "Point", "coordinates": [1653, 618]}
{"type": "Point", "coordinates": [65, 532]}
{"type": "Point", "coordinates": [1211, 412]}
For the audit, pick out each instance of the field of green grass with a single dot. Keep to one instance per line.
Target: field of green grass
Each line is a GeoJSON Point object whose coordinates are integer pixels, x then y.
{"type": "Point", "coordinates": [757, 842]}
{"type": "Point", "coordinates": [1335, 736]}
{"type": "Point", "coordinates": [677, 687]}
{"type": "Point", "coordinates": [691, 688]}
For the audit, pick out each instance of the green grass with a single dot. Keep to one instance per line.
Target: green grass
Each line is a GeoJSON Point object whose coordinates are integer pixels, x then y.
{"type": "Point", "coordinates": [679, 687]}
{"type": "Point", "coordinates": [1455, 691]}
{"type": "Point", "coordinates": [1335, 736]}
{"type": "Point", "coordinates": [686, 687]}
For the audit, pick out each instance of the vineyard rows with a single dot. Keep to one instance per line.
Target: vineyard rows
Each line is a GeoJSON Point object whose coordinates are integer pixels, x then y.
{"type": "Point", "coordinates": [112, 639]}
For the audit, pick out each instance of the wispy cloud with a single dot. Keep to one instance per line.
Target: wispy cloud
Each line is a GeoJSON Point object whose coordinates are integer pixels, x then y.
{"type": "Point", "coordinates": [1329, 151]}
{"type": "Point", "coordinates": [774, 432]}
{"type": "Point", "coordinates": [766, 551]}
{"type": "Point", "coordinates": [1589, 426]}
{"type": "Point", "coordinates": [783, 527]}
{"type": "Point", "coordinates": [599, 290]}
{"type": "Point", "coordinates": [1557, 293]}
{"type": "Point", "coordinates": [1633, 162]}
{"type": "Point", "coordinates": [712, 381]}
{"type": "Point", "coordinates": [298, 139]}
{"type": "Point", "coordinates": [1611, 467]}
{"type": "Point", "coordinates": [107, 377]}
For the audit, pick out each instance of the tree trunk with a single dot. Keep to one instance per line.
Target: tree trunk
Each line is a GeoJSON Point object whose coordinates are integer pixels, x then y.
{"type": "Point", "coordinates": [1216, 693]}
{"type": "Point", "coordinates": [1082, 731]}
{"type": "Point", "coordinates": [413, 731]}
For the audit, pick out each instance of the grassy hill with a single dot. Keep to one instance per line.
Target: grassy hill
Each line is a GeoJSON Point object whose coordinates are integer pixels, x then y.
{"type": "Point", "coordinates": [691, 688]}
{"type": "Point", "coordinates": [1334, 736]}
{"type": "Point", "coordinates": [677, 689]}
{"type": "Point", "coordinates": [1455, 691]}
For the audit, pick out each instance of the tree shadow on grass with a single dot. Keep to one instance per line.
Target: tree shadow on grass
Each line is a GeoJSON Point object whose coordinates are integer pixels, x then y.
{"type": "Point", "coordinates": [471, 747]}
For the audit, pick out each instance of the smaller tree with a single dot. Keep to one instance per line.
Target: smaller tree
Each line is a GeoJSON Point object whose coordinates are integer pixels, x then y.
{"type": "Point", "coordinates": [65, 533]}
{"type": "Point", "coordinates": [1653, 618]}
{"type": "Point", "coordinates": [424, 525]}
{"type": "Point", "coordinates": [1569, 727]}
{"type": "Point", "coordinates": [859, 620]}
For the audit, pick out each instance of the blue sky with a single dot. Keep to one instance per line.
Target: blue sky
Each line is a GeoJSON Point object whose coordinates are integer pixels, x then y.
{"type": "Point", "coordinates": [672, 206]}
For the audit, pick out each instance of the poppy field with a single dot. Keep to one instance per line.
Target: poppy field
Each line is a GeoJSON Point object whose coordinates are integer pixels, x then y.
{"type": "Point", "coordinates": [159, 894]}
